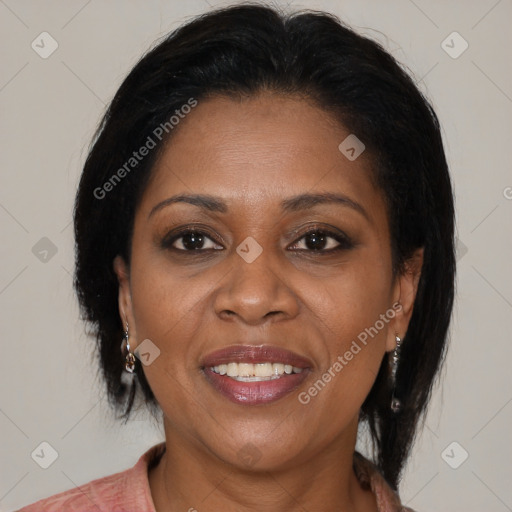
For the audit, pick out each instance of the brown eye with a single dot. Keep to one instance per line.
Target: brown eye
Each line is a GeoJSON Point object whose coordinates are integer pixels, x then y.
{"type": "Point", "coordinates": [318, 240]}
{"type": "Point", "coordinates": [191, 240]}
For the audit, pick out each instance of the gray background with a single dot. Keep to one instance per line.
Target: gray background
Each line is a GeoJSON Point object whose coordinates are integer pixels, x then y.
{"type": "Point", "coordinates": [49, 109]}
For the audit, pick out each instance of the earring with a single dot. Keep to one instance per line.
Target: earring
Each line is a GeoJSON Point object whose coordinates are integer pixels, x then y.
{"type": "Point", "coordinates": [129, 364]}
{"type": "Point", "coordinates": [396, 404]}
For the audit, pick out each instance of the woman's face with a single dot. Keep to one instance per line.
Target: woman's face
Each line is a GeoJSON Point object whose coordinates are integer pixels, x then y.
{"type": "Point", "coordinates": [263, 267]}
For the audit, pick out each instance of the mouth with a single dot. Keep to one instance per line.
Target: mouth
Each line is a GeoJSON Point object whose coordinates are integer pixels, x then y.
{"type": "Point", "coordinates": [251, 375]}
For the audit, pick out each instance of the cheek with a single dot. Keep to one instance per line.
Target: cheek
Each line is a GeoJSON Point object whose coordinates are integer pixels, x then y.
{"type": "Point", "coordinates": [353, 312]}
{"type": "Point", "coordinates": [167, 308]}
{"type": "Point", "coordinates": [353, 297]}
{"type": "Point", "coordinates": [168, 312]}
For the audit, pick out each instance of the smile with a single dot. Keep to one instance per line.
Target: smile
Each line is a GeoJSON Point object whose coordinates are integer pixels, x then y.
{"type": "Point", "coordinates": [252, 375]}
{"type": "Point", "coordinates": [249, 372]}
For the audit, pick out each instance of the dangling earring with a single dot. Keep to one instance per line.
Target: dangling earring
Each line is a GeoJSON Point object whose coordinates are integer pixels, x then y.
{"type": "Point", "coordinates": [396, 404]}
{"type": "Point", "coordinates": [129, 364]}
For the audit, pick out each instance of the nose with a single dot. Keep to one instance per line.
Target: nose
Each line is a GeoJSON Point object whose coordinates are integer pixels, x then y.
{"type": "Point", "coordinates": [255, 292]}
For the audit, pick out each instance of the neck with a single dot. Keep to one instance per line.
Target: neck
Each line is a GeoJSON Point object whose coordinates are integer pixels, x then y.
{"type": "Point", "coordinates": [189, 478]}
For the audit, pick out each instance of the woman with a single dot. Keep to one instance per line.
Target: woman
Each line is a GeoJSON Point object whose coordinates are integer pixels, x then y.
{"type": "Point", "coordinates": [265, 221]}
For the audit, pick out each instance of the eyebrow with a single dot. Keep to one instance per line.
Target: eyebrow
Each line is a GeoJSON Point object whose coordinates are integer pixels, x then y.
{"type": "Point", "coordinates": [291, 204]}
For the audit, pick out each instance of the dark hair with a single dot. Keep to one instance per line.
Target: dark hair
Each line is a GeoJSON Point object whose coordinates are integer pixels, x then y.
{"type": "Point", "coordinates": [241, 51]}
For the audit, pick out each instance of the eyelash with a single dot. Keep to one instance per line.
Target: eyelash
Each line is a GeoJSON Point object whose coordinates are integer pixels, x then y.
{"type": "Point", "coordinates": [345, 243]}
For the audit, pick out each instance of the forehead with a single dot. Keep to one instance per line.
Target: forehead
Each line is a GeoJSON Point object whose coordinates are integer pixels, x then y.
{"type": "Point", "coordinates": [259, 150]}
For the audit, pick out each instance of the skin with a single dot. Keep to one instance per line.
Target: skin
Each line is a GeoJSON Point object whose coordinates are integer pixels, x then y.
{"type": "Point", "coordinates": [254, 153]}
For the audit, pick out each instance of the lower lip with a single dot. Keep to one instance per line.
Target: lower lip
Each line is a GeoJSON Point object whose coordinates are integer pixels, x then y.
{"type": "Point", "coordinates": [253, 393]}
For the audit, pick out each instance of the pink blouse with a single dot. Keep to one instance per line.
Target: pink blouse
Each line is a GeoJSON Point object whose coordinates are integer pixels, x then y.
{"type": "Point", "coordinates": [129, 491]}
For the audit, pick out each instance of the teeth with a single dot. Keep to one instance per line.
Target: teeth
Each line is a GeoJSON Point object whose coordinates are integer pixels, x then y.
{"type": "Point", "coordinates": [255, 372]}
{"type": "Point", "coordinates": [232, 370]}
{"type": "Point", "coordinates": [245, 370]}
{"type": "Point", "coordinates": [278, 368]}
{"type": "Point", "coordinates": [263, 370]}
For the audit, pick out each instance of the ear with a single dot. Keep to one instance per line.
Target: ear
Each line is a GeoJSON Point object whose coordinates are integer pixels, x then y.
{"type": "Point", "coordinates": [404, 293]}
{"type": "Point", "coordinates": [125, 299]}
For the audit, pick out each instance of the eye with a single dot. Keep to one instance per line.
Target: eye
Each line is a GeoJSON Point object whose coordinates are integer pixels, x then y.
{"type": "Point", "coordinates": [322, 241]}
{"type": "Point", "coordinates": [317, 240]}
{"type": "Point", "coordinates": [191, 240]}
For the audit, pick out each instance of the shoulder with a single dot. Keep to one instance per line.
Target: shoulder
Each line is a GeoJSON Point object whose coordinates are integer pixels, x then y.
{"type": "Point", "coordinates": [370, 477]}
{"type": "Point", "coordinates": [112, 493]}
{"type": "Point", "coordinates": [95, 495]}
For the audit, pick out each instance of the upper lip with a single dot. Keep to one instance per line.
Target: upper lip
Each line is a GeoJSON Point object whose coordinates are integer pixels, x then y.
{"type": "Point", "coordinates": [255, 354]}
